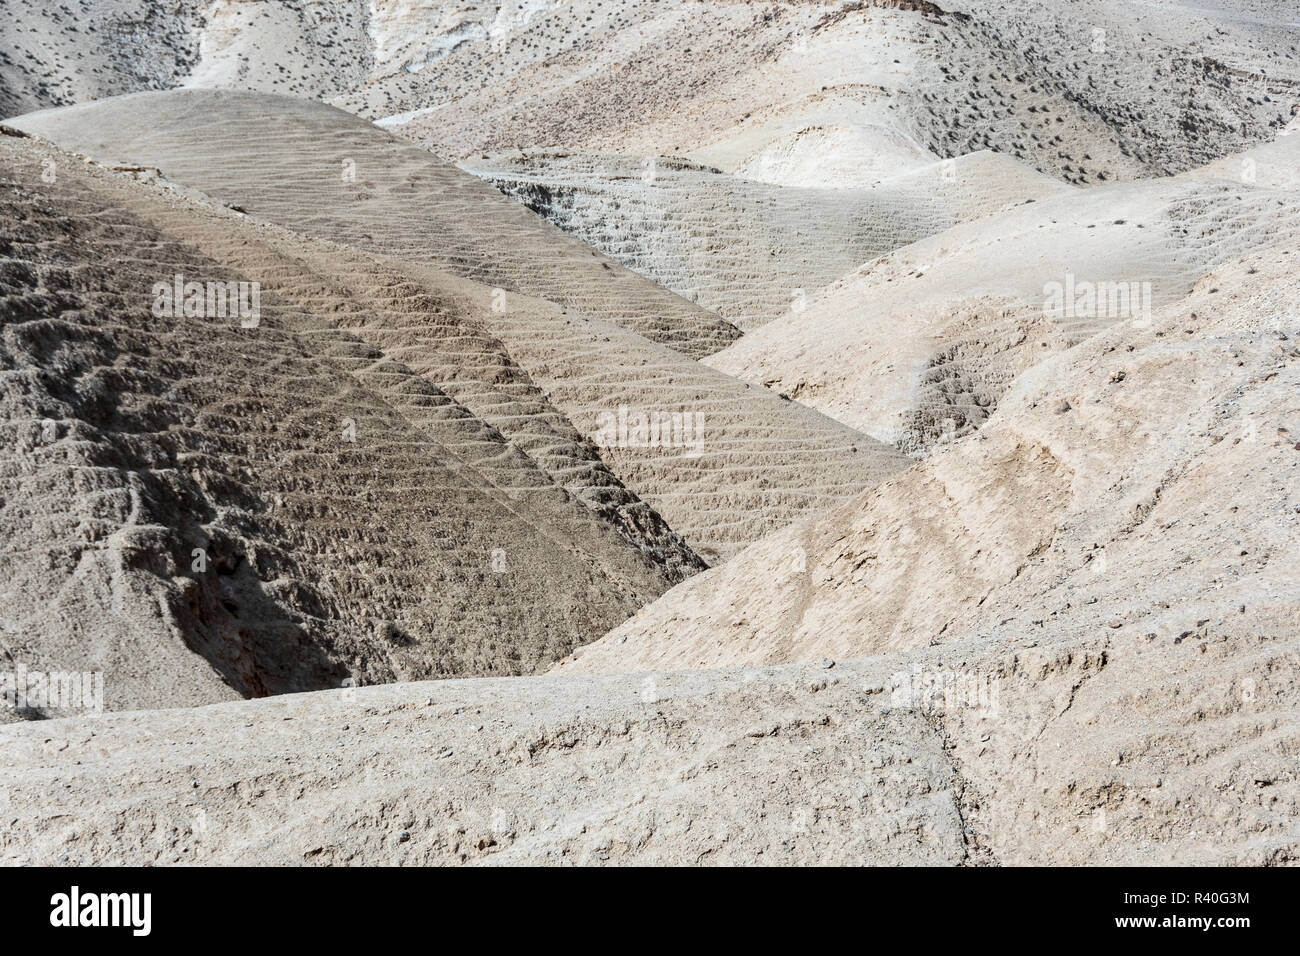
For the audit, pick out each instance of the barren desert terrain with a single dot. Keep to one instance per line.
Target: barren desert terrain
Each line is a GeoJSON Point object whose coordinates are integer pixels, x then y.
{"type": "Point", "coordinates": [650, 432]}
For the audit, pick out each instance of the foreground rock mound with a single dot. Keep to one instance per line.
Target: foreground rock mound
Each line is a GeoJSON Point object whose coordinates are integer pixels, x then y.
{"type": "Point", "coordinates": [1105, 752]}
{"type": "Point", "coordinates": [673, 769]}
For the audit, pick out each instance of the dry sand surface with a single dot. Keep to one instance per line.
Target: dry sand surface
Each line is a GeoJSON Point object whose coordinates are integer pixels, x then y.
{"type": "Point", "coordinates": [672, 432]}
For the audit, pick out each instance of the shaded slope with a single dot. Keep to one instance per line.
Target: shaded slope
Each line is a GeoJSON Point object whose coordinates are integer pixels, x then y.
{"type": "Point", "coordinates": [419, 339]}
{"type": "Point", "coordinates": [724, 462]}
{"type": "Point", "coordinates": [203, 510]}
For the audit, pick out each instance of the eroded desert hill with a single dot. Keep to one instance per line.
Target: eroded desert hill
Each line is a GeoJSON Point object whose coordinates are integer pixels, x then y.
{"type": "Point", "coordinates": [205, 509]}
{"type": "Point", "coordinates": [1143, 485]}
{"type": "Point", "coordinates": [917, 346]}
{"type": "Point", "coordinates": [331, 175]}
{"type": "Point", "coordinates": [1116, 549]}
{"type": "Point", "coordinates": [519, 400]}
{"type": "Point", "coordinates": [613, 350]}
